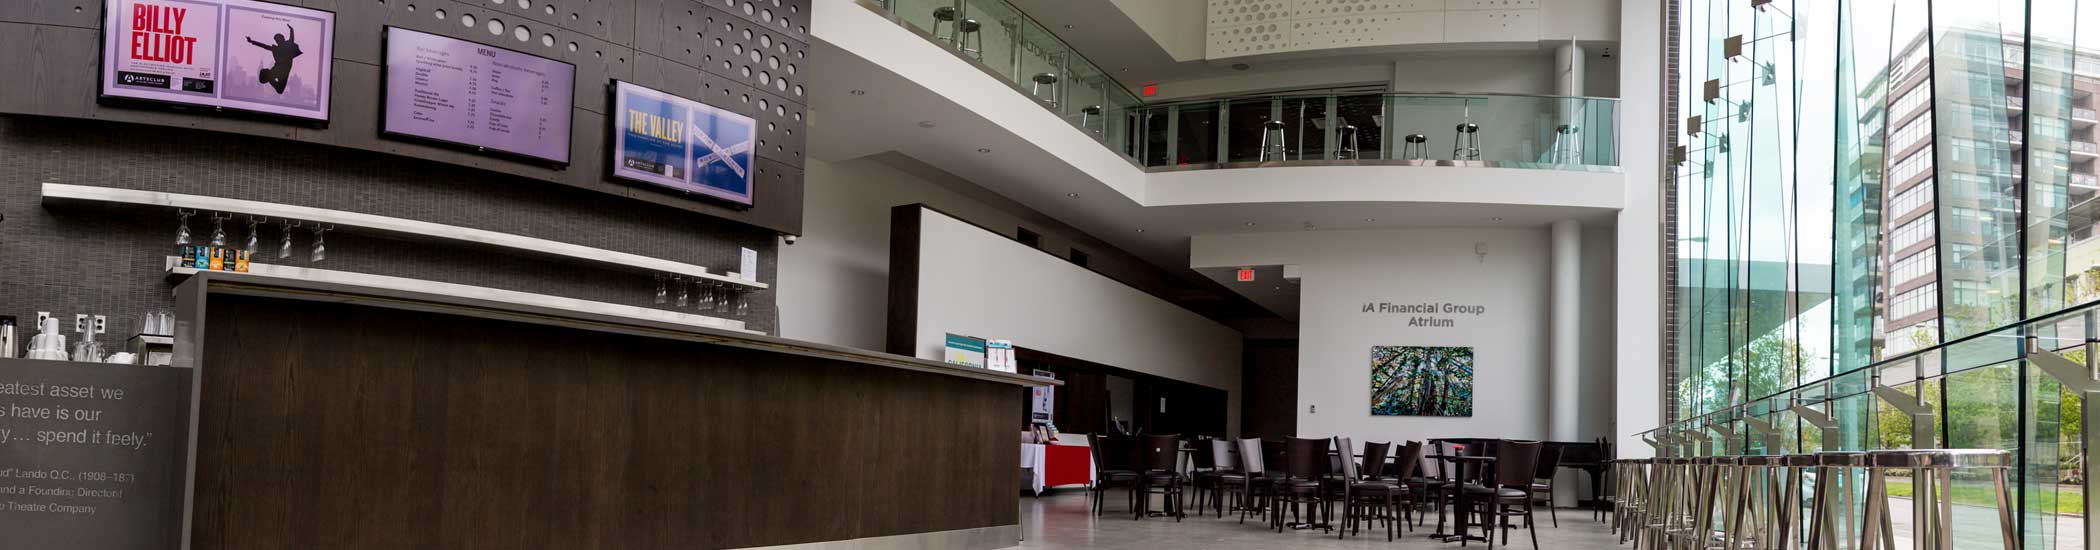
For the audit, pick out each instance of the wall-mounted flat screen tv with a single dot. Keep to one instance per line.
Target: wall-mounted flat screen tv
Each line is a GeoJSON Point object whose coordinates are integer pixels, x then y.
{"type": "Point", "coordinates": [477, 96]}
{"type": "Point", "coordinates": [681, 144]}
{"type": "Point", "coordinates": [238, 55]}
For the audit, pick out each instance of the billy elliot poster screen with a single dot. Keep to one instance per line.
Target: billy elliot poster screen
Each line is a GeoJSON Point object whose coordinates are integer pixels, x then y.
{"type": "Point", "coordinates": [682, 144]}
{"type": "Point", "coordinates": [232, 54]}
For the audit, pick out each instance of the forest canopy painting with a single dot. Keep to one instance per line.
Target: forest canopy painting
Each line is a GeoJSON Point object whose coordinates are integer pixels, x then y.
{"type": "Point", "coordinates": [1421, 381]}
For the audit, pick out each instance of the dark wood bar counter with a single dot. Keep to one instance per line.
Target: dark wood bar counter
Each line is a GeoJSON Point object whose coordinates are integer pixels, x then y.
{"type": "Point", "coordinates": [334, 416]}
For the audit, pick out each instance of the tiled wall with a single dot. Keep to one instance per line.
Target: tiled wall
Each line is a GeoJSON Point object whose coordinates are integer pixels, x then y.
{"type": "Point", "coordinates": [97, 260]}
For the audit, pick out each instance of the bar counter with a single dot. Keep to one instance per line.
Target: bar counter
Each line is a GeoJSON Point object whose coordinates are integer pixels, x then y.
{"type": "Point", "coordinates": [334, 415]}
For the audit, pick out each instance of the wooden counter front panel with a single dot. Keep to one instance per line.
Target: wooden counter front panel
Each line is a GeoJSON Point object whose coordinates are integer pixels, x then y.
{"type": "Point", "coordinates": [338, 426]}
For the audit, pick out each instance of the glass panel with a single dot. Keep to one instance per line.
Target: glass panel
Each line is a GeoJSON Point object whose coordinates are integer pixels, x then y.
{"type": "Point", "coordinates": [1196, 134]}
{"type": "Point", "coordinates": [1366, 113]}
{"type": "Point", "coordinates": [933, 17]}
{"type": "Point", "coordinates": [1086, 97]}
{"type": "Point", "coordinates": [1156, 130]}
{"type": "Point", "coordinates": [1305, 122]}
{"type": "Point", "coordinates": [991, 33]}
{"type": "Point", "coordinates": [1979, 193]}
{"type": "Point", "coordinates": [1039, 60]}
{"type": "Point", "coordinates": [1247, 131]}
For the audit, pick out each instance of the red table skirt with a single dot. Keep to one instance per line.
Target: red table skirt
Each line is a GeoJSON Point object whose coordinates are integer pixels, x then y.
{"type": "Point", "coordinates": [1067, 465]}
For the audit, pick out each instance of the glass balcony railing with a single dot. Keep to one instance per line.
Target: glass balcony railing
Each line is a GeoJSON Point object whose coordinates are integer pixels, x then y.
{"type": "Point", "coordinates": [1009, 45]}
{"type": "Point", "coordinates": [1570, 133]}
{"type": "Point", "coordinates": [1517, 131]}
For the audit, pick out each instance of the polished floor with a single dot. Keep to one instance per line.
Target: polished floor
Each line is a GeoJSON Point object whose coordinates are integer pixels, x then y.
{"type": "Point", "coordinates": [1060, 521]}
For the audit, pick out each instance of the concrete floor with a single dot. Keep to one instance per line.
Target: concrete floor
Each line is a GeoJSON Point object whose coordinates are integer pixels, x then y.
{"type": "Point", "coordinates": [1061, 521]}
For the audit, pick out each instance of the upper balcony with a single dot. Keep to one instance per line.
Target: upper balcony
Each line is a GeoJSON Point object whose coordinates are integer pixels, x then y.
{"type": "Point", "coordinates": [982, 92]}
{"type": "Point", "coordinates": [1473, 130]}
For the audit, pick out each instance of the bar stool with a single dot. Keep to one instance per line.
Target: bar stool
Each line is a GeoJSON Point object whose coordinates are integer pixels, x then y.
{"type": "Point", "coordinates": [1271, 147]}
{"type": "Point", "coordinates": [1933, 472]}
{"type": "Point", "coordinates": [969, 28]}
{"type": "Point", "coordinates": [1567, 145]}
{"type": "Point", "coordinates": [1416, 148]}
{"type": "Point", "coordinates": [1667, 502]}
{"type": "Point", "coordinates": [1629, 486]}
{"type": "Point", "coordinates": [1086, 115]}
{"type": "Point", "coordinates": [944, 14]}
{"type": "Point", "coordinates": [1831, 508]}
{"type": "Point", "coordinates": [1794, 469]}
{"type": "Point", "coordinates": [1043, 79]}
{"type": "Point", "coordinates": [1756, 503]}
{"type": "Point", "coordinates": [1347, 149]}
{"type": "Point", "coordinates": [1466, 145]}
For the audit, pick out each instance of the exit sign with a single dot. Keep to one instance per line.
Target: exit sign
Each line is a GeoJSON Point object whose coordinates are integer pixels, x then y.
{"type": "Point", "coordinates": [1150, 90]}
{"type": "Point", "coordinates": [1246, 275]}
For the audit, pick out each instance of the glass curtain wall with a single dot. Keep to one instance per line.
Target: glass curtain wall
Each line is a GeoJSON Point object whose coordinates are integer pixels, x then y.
{"type": "Point", "coordinates": [1882, 209]}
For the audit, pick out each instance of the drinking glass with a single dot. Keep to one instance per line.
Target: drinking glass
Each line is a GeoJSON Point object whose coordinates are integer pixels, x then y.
{"type": "Point", "coordinates": [218, 230]}
{"type": "Point", "coordinates": [661, 294]}
{"type": "Point", "coordinates": [684, 292]}
{"type": "Point", "coordinates": [284, 247]}
{"type": "Point", "coordinates": [320, 248]}
{"type": "Point", "coordinates": [182, 232]}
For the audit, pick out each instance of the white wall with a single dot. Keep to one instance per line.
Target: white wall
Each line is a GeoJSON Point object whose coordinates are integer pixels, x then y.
{"type": "Point", "coordinates": [1638, 379]}
{"type": "Point", "coordinates": [977, 283]}
{"type": "Point", "coordinates": [1344, 269]}
{"type": "Point", "coordinates": [834, 281]}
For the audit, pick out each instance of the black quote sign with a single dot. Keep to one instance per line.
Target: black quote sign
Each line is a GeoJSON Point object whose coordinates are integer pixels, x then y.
{"type": "Point", "coordinates": [92, 455]}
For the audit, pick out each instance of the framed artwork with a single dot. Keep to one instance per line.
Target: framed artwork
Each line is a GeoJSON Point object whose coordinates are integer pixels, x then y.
{"type": "Point", "coordinates": [1421, 381]}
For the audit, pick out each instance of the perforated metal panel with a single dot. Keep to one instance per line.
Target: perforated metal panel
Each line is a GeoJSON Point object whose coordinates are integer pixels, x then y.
{"type": "Point", "coordinates": [1239, 28]}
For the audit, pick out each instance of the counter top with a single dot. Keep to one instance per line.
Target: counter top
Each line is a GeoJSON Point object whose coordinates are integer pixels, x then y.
{"type": "Point", "coordinates": [216, 282]}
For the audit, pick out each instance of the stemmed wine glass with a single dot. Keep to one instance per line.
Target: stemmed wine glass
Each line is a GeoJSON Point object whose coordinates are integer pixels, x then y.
{"type": "Point", "coordinates": [254, 235]}
{"type": "Point", "coordinates": [320, 248]}
{"type": "Point", "coordinates": [182, 232]}
{"type": "Point", "coordinates": [684, 292]}
{"type": "Point", "coordinates": [707, 295]}
{"type": "Point", "coordinates": [661, 295]}
{"type": "Point", "coordinates": [284, 247]}
{"type": "Point", "coordinates": [218, 229]}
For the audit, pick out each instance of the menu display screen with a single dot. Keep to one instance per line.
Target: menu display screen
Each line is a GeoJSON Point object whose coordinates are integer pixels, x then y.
{"type": "Point", "coordinates": [229, 54]}
{"type": "Point", "coordinates": [666, 140]}
{"type": "Point", "coordinates": [474, 95]}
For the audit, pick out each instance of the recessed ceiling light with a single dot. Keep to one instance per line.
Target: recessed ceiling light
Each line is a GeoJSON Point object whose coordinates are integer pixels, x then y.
{"type": "Point", "coordinates": [1141, 230]}
{"type": "Point", "coordinates": [983, 150]}
{"type": "Point", "coordinates": [1068, 26]}
{"type": "Point", "coordinates": [1241, 66]}
{"type": "Point", "coordinates": [1125, 69]}
{"type": "Point", "coordinates": [926, 124]}
{"type": "Point", "coordinates": [1072, 195]}
{"type": "Point", "coordinates": [860, 92]}
{"type": "Point", "coordinates": [1250, 224]}
{"type": "Point", "coordinates": [1495, 219]}
{"type": "Point", "coordinates": [1368, 220]}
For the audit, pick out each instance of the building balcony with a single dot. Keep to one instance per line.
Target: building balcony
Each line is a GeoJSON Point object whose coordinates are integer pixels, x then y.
{"type": "Point", "coordinates": [1508, 131]}
{"type": "Point", "coordinates": [2085, 148]}
{"type": "Point", "coordinates": [2084, 116]}
{"type": "Point", "coordinates": [2086, 181]}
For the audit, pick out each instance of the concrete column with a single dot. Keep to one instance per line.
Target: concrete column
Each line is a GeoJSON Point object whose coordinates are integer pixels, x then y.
{"type": "Point", "coordinates": [1567, 69]}
{"type": "Point", "coordinates": [1565, 328]}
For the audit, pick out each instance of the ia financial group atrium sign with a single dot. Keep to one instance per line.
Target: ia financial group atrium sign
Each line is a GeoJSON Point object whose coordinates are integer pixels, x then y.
{"type": "Point", "coordinates": [1427, 314]}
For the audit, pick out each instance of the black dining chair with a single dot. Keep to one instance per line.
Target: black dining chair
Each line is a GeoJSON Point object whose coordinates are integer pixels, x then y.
{"type": "Point", "coordinates": [1364, 497]}
{"type": "Point", "coordinates": [1161, 477]}
{"type": "Point", "coordinates": [1407, 466]}
{"type": "Point", "coordinates": [1109, 470]}
{"type": "Point", "coordinates": [1515, 464]}
{"type": "Point", "coordinates": [1542, 484]}
{"type": "Point", "coordinates": [1301, 488]}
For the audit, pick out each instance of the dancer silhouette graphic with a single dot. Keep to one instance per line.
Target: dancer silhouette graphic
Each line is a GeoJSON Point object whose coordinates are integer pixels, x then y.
{"type": "Point", "coordinates": [284, 51]}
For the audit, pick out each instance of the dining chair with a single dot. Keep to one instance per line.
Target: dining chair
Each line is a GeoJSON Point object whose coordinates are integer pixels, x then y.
{"type": "Point", "coordinates": [1251, 482]}
{"type": "Point", "coordinates": [1542, 484]}
{"type": "Point", "coordinates": [1365, 497]}
{"type": "Point", "coordinates": [1515, 464]}
{"type": "Point", "coordinates": [1162, 454]}
{"type": "Point", "coordinates": [1301, 489]}
{"type": "Point", "coordinates": [1109, 470]}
